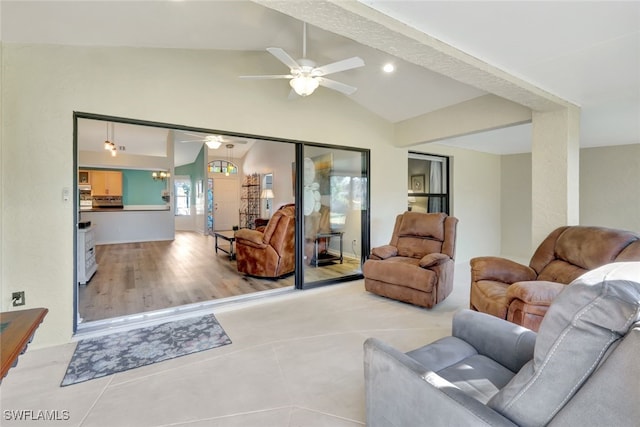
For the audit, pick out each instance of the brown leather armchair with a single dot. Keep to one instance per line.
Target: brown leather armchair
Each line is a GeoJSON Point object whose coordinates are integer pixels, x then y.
{"type": "Point", "coordinates": [522, 294]}
{"type": "Point", "coordinates": [417, 264]}
{"type": "Point", "coordinates": [270, 253]}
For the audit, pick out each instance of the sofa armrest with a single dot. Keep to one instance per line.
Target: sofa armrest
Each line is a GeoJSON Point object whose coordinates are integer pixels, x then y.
{"type": "Point", "coordinates": [500, 270]}
{"type": "Point", "coordinates": [384, 251]}
{"type": "Point", "coordinates": [509, 344]}
{"type": "Point", "coordinates": [537, 292]}
{"type": "Point", "coordinates": [401, 392]}
{"type": "Point", "coordinates": [431, 260]}
{"type": "Point", "coordinates": [250, 237]}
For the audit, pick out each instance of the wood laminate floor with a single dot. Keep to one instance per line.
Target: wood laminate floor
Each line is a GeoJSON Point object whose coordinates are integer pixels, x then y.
{"type": "Point", "coordinates": [139, 277]}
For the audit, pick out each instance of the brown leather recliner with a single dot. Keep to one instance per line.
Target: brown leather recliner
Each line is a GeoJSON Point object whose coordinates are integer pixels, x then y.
{"type": "Point", "coordinates": [417, 265]}
{"type": "Point", "coordinates": [270, 253]}
{"type": "Point", "coordinates": [522, 294]}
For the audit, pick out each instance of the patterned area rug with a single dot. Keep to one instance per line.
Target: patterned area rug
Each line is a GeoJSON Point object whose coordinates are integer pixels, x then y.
{"type": "Point", "coordinates": [102, 356]}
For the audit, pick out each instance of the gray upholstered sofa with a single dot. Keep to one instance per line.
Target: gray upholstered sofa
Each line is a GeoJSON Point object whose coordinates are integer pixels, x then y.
{"type": "Point", "coordinates": [581, 369]}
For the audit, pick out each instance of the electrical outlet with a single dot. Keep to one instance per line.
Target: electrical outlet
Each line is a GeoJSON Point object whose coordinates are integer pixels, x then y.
{"type": "Point", "coordinates": [17, 298]}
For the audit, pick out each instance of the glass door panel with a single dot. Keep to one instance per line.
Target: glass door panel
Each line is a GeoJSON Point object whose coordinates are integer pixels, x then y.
{"type": "Point", "coordinates": [334, 208]}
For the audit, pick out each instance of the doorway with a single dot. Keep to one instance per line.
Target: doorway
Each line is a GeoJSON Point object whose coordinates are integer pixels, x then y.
{"type": "Point", "coordinates": [225, 202]}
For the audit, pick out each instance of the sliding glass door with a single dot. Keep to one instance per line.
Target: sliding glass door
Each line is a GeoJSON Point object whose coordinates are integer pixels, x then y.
{"type": "Point", "coordinates": [335, 213]}
{"type": "Point", "coordinates": [183, 184]}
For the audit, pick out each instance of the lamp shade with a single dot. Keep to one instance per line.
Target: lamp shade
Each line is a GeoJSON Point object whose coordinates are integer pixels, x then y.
{"type": "Point", "coordinates": [267, 193]}
{"type": "Point", "coordinates": [304, 85]}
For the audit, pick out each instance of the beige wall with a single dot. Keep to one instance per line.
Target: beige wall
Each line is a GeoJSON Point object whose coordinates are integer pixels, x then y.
{"type": "Point", "coordinates": [516, 205]}
{"type": "Point", "coordinates": [476, 199]}
{"type": "Point", "coordinates": [43, 85]}
{"type": "Point", "coordinates": [610, 186]}
{"type": "Point", "coordinates": [609, 194]}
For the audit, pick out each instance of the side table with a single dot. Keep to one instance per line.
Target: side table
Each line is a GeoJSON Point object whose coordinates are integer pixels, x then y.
{"type": "Point", "coordinates": [325, 258]}
{"type": "Point", "coordinates": [228, 236]}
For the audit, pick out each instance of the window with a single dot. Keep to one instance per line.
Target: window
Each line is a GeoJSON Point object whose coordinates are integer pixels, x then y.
{"type": "Point", "coordinates": [182, 190]}
{"type": "Point", "coordinates": [428, 183]}
{"type": "Point", "coordinates": [346, 195]}
{"type": "Point", "coordinates": [222, 166]}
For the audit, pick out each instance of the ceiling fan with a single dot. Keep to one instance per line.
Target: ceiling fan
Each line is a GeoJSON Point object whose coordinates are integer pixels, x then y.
{"type": "Point", "coordinates": [305, 75]}
{"type": "Point", "coordinates": [213, 141]}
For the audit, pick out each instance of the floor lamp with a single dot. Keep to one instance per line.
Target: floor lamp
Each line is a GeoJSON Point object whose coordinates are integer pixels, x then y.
{"type": "Point", "coordinates": [267, 194]}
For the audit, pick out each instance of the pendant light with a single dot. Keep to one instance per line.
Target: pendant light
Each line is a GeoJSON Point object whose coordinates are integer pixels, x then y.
{"type": "Point", "coordinates": [229, 165]}
{"type": "Point", "coordinates": [109, 145]}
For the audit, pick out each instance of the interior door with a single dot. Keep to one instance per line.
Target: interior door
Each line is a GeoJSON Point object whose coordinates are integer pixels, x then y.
{"type": "Point", "coordinates": [226, 203]}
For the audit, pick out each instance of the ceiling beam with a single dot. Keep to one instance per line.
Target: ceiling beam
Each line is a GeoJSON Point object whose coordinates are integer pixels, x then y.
{"type": "Point", "coordinates": [480, 114]}
{"type": "Point", "coordinates": [357, 21]}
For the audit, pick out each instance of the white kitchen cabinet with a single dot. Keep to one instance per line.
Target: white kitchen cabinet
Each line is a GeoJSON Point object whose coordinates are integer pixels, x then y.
{"type": "Point", "coordinates": [86, 259]}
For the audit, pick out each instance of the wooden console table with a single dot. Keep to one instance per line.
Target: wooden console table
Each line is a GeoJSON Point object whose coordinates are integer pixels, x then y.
{"type": "Point", "coordinates": [16, 332]}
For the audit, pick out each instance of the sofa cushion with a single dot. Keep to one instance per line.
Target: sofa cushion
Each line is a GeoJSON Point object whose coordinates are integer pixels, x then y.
{"type": "Point", "coordinates": [592, 247]}
{"type": "Point", "coordinates": [385, 251]}
{"type": "Point", "coordinates": [582, 325]}
{"type": "Point", "coordinates": [453, 359]}
{"type": "Point", "coordinates": [487, 378]}
{"type": "Point", "coordinates": [419, 234]}
{"type": "Point", "coordinates": [417, 247]}
{"type": "Point", "coordinates": [401, 271]}
{"type": "Point", "coordinates": [490, 297]}
{"type": "Point", "coordinates": [431, 260]}
{"type": "Point", "coordinates": [423, 225]}
{"type": "Point", "coordinates": [561, 272]}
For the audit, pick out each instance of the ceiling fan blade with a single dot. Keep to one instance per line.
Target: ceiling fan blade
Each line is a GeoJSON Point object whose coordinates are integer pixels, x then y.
{"type": "Point", "coordinates": [340, 87]}
{"type": "Point", "coordinates": [283, 57]}
{"type": "Point", "coordinates": [192, 140]}
{"type": "Point", "coordinates": [197, 135]}
{"type": "Point", "coordinates": [268, 77]}
{"type": "Point", "coordinates": [336, 67]}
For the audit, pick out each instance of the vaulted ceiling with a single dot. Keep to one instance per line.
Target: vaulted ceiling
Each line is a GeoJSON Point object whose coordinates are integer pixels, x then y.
{"type": "Point", "coordinates": [587, 53]}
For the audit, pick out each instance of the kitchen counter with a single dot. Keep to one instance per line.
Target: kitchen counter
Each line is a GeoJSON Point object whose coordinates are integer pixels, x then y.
{"type": "Point", "coordinates": [129, 208]}
{"type": "Point", "coordinates": [130, 224]}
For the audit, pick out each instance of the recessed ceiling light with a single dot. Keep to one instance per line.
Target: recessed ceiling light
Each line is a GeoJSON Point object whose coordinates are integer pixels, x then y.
{"type": "Point", "coordinates": [388, 68]}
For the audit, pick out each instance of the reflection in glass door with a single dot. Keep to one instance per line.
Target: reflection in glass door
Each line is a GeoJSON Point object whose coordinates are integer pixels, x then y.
{"type": "Point", "coordinates": [334, 209]}
{"type": "Point", "coordinates": [210, 226]}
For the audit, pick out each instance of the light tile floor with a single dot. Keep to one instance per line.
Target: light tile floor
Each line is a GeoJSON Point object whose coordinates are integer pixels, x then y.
{"type": "Point", "coordinates": [295, 360]}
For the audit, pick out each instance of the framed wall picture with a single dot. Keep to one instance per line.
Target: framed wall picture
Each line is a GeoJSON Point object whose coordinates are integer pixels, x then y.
{"type": "Point", "coordinates": [417, 183]}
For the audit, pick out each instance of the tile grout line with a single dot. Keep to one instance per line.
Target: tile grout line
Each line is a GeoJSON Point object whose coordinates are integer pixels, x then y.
{"type": "Point", "coordinates": [284, 378]}
{"type": "Point", "coordinates": [329, 415]}
{"type": "Point", "coordinates": [95, 402]}
{"type": "Point", "coordinates": [222, 417]}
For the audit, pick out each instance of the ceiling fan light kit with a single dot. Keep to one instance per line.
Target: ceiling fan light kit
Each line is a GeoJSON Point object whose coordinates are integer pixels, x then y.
{"type": "Point", "coordinates": [213, 142]}
{"type": "Point", "coordinates": [304, 85]}
{"type": "Point", "coordinates": [304, 76]}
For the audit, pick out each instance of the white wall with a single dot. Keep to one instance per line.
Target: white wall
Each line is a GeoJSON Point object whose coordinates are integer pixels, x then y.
{"type": "Point", "coordinates": [43, 84]}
